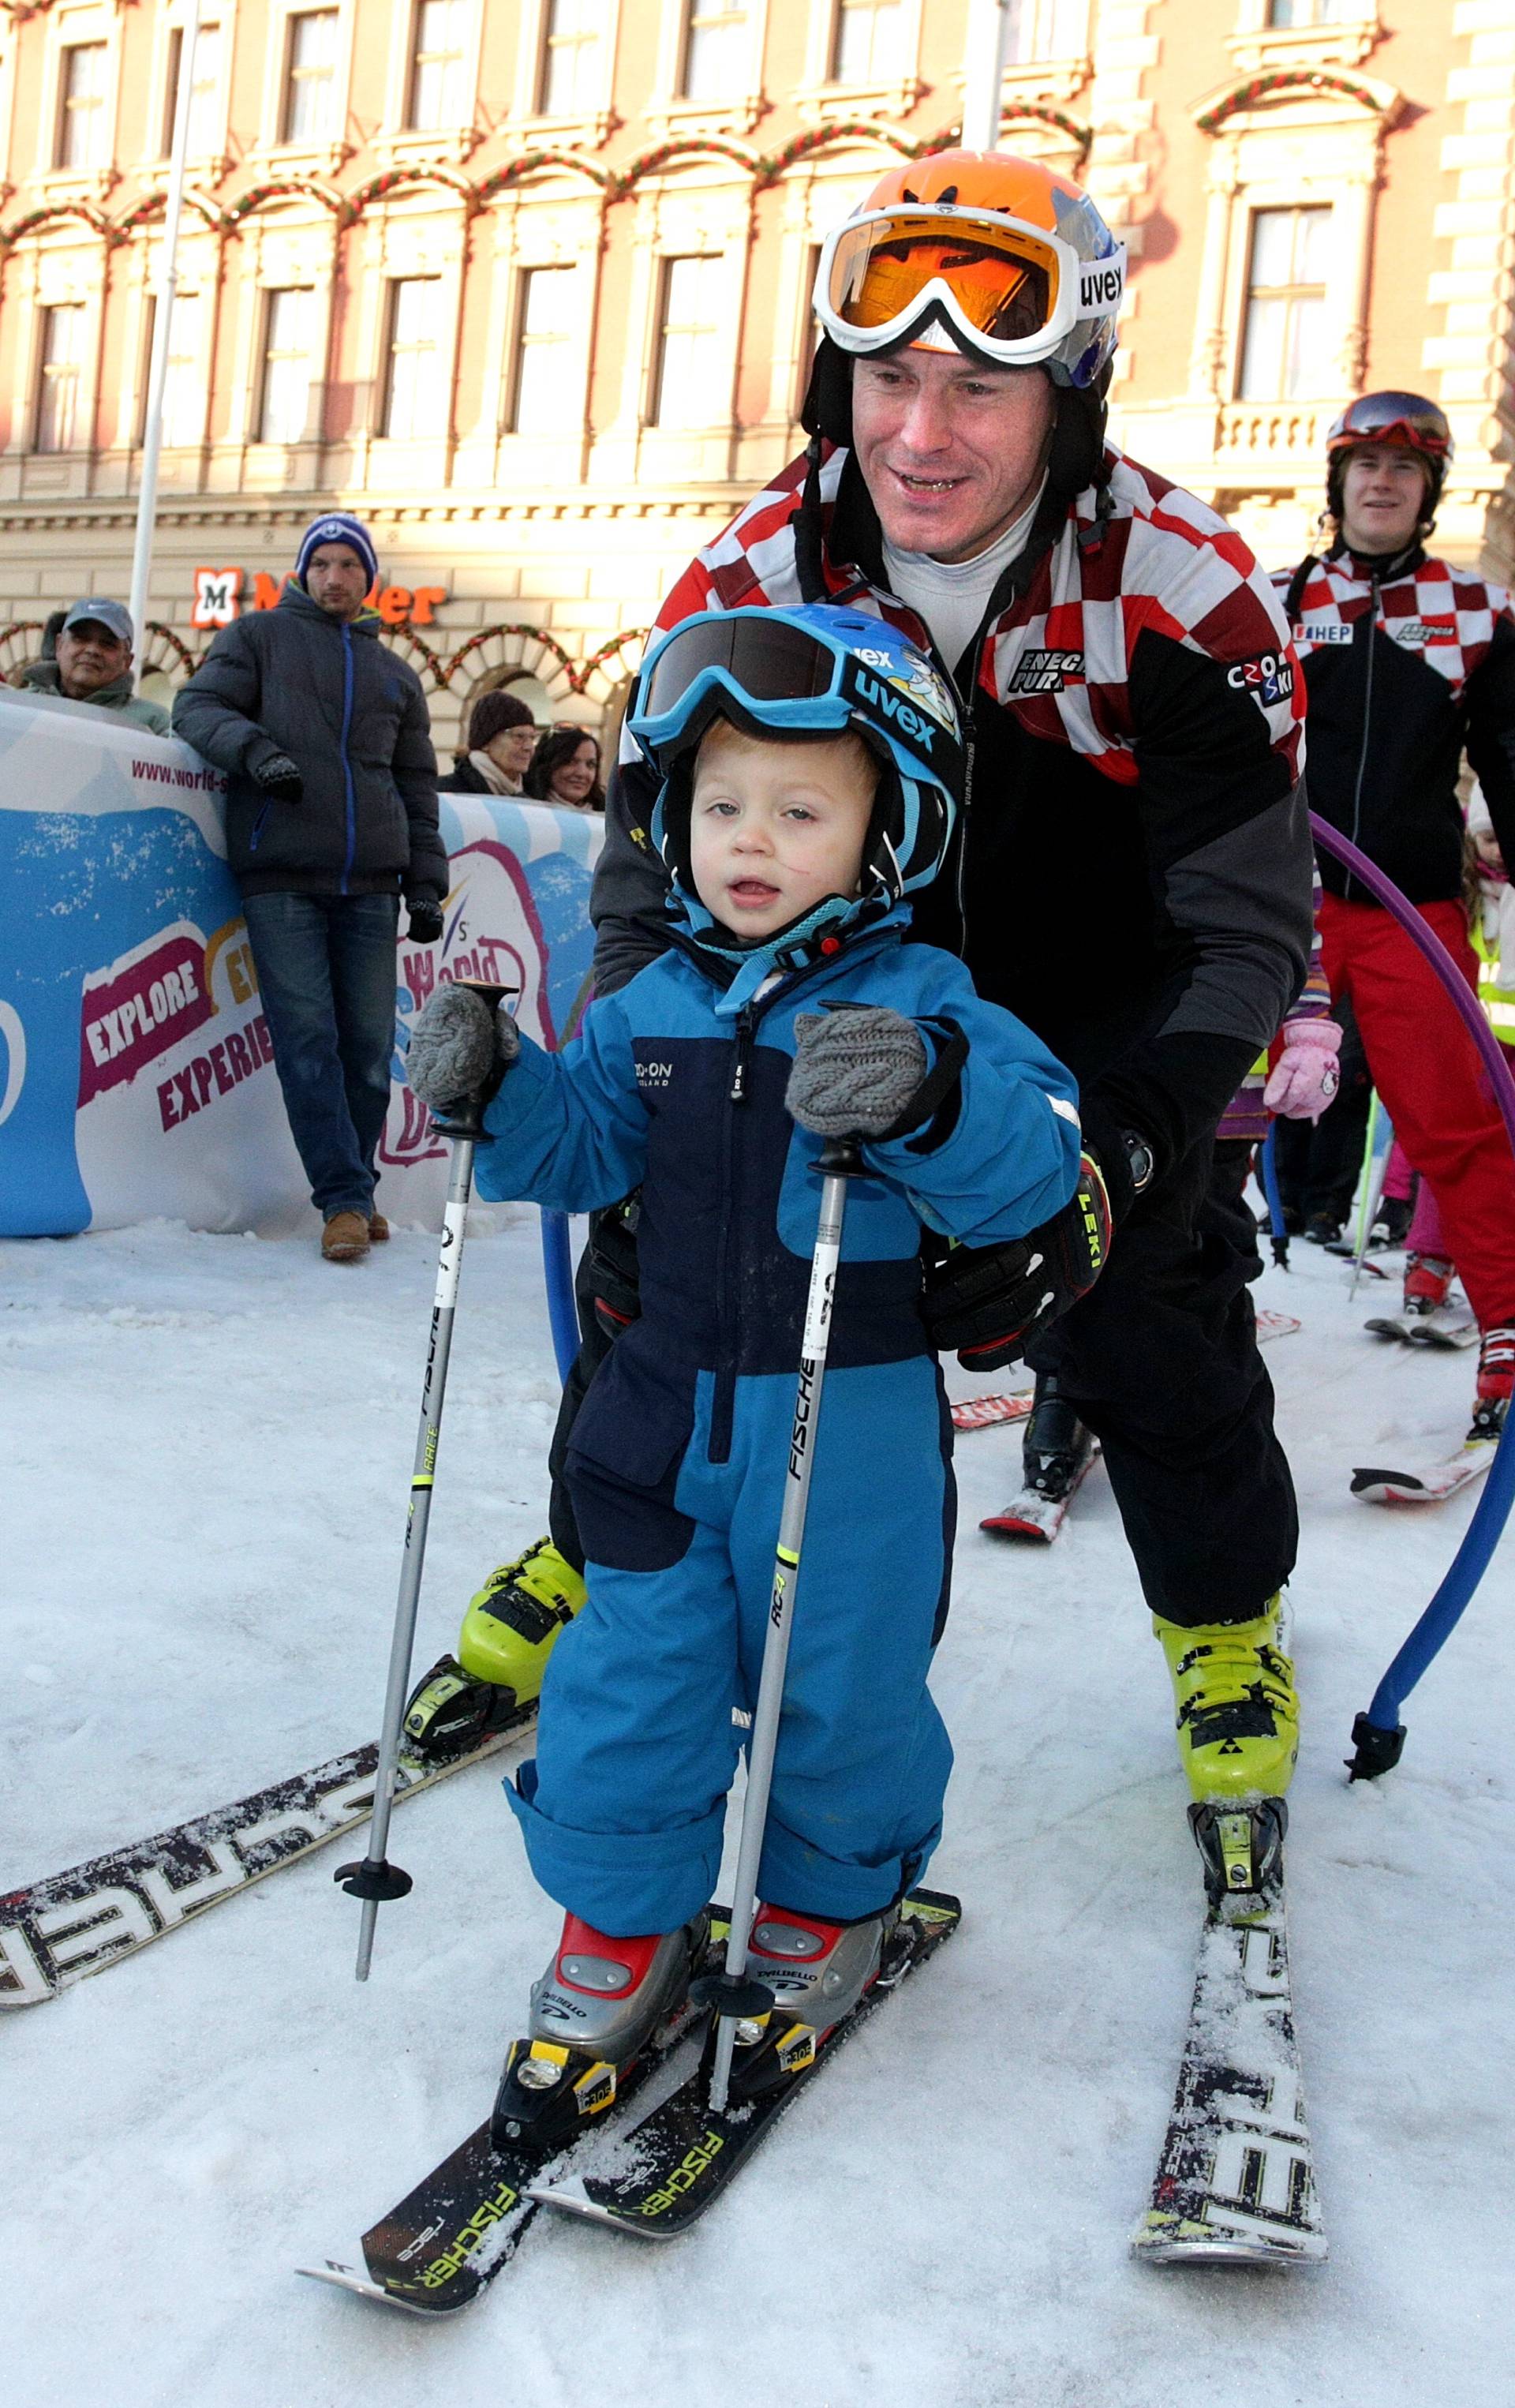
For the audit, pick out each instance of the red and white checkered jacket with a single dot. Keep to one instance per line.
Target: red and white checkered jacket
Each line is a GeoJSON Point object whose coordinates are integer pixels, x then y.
{"type": "Point", "coordinates": [1135, 735]}
{"type": "Point", "coordinates": [1401, 671]}
{"type": "Point", "coordinates": [1062, 657]}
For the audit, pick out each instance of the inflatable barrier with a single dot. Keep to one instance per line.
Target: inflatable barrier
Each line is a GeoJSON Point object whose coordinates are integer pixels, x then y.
{"type": "Point", "coordinates": [137, 1075]}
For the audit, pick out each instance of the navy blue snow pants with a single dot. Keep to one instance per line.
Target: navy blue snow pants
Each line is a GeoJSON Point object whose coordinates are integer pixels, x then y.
{"type": "Point", "coordinates": [624, 1809]}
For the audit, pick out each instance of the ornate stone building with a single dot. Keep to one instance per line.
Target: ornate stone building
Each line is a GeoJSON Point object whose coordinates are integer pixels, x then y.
{"type": "Point", "coordinates": [526, 281]}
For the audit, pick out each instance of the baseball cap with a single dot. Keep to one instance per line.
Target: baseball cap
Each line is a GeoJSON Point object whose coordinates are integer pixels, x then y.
{"type": "Point", "coordinates": [112, 615]}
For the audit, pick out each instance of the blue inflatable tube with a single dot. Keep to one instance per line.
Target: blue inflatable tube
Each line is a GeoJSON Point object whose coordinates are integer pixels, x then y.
{"type": "Point", "coordinates": [557, 1267]}
{"type": "Point", "coordinates": [1378, 1735]}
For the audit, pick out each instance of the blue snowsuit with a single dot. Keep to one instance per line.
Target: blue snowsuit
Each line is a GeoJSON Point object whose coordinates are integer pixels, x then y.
{"type": "Point", "coordinates": [678, 1454]}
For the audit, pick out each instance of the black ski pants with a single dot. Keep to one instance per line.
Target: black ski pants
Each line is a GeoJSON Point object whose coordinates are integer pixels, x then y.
{"type": "Point", "coordinates": [1161, 1361]}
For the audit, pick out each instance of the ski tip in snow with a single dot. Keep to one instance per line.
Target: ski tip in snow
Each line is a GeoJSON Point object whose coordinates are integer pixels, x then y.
{"type": "Point", "coordinates": [1273, 1325]}
{"type": "Point", "coordinates": [1432, 1484]}
{"type": "Point", "coordinates": [351, 2274]}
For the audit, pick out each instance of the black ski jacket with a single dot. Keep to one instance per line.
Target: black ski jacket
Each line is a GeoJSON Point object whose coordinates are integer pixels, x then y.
{"type": "Point", "coordinates": [1133, 875]}
{"type": "Point", "coordinates": [352, 717]}
{"type": "Point", "coordinates": [1408, 662]}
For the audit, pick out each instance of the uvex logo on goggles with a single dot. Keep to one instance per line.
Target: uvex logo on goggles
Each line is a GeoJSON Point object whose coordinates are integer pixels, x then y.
{"type": "Point", "coordinates": [1101, 284]}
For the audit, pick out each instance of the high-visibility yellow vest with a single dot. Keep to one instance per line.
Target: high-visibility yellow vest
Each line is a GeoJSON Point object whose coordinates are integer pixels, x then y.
{"type": "Point", "coordinates": [1498, 1001]}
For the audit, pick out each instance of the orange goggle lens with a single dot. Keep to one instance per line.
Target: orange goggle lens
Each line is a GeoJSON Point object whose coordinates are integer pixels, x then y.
{"type": "Point", "coordinates": [1006, 286]}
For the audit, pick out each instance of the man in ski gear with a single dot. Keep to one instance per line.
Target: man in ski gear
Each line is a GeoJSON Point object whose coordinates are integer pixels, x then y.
{"type": "Point", "coordinates": [1132, 730]}
{"type": "Point", "coordinates": [1408, 663]}
{"type": "Point", "coordinates": [330, 818]}
{"type": "Point", "coordinates": [807, 767]}
{"type": "Point", "coordinates": [86, 657]}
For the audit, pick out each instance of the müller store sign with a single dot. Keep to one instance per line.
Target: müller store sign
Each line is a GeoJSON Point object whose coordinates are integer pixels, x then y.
{"type": "Point", "coordinates": [221, 595]}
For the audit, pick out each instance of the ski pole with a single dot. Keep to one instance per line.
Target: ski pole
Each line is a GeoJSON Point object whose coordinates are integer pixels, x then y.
{"type": "Point", "coordinates": [1375, 1172]}
{"type": "Point", "coordinates": [557, 1269]}
{"type": "Point", "coordinates": [374, 1878]}
{"type": "Point", "coordinates": [1278, 1231]}
{"type": "Point", "coordinates": [1378, 1735]}
{"type": "Point", "coordinates": [731, 1993]}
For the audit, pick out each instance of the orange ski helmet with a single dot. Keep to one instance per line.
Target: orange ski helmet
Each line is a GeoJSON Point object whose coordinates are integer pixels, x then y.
{"type": "Point", "coordinates": [981, 252]}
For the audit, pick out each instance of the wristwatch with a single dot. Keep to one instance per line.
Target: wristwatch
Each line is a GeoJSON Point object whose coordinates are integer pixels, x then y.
{"type": "Point", "coordinates": [1139, 1159]}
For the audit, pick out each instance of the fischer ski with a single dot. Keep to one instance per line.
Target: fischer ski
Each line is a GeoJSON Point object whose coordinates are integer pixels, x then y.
{"type": "Point", "coordinates": [443, 2245]}
{"type": "Point", "coordinates": [658, 2178]}
{"type": "Point", "coordinates": [1235, 2181]}
{"type": "Point", "coordinates": [59, 1930]}
{"type": "Point", "coordinates": [1433, 1483]}
{"type": "Point", "coordinates": [985, 1412]}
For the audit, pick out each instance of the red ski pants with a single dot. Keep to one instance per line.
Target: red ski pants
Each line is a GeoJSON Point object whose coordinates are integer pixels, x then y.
{"type": "Point", "coordinates": [1433, 1083]}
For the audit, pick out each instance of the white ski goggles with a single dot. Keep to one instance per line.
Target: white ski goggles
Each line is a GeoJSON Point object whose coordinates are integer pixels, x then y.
{"type": "Point", "coordinates": [1012, 291]}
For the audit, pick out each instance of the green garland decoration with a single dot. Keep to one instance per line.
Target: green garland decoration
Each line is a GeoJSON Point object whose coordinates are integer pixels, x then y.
{"type": "Point", "coordinates": [154, 205]}
{"type": "Point", "coordinates": [508, 627]}
{"type": "Point", "coordinates": [396, 180]}
{"type": "Point", "coordinates": [187, 660]}
{"type": "Point", "coordinates": [775, 163]}
{"type": "Point", "coordinates": [1280, 82]}
{"type": "Point", "coordinates": [686, 146]}
{"type": "Point", "coordinates": [531, 162]}
{"type": "Point", "coordinates": [50, 214]}
{"type": "Point", "coordinates": [286, 188]}
{"type": "Point", "coordinates": [579, 679]}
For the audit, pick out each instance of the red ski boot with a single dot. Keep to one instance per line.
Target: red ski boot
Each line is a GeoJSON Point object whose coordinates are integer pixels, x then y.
{"type": "Point", "coordinates": [1427, 1285]}
{"type": "Point", "coordinates": [1497, 1379]}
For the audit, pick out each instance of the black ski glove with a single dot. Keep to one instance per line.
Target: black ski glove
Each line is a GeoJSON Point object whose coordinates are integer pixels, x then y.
{"type": "Point", "coordinates": [423, 920]}
{"type": "Point", "coordinates": [991, 1302]}
{"type": "Point", "coordinates": [459, 1050]}
{"type": "Point", "coordinates": [279, 778]}
{"type": "Point", "coordinates": [614, 1268]}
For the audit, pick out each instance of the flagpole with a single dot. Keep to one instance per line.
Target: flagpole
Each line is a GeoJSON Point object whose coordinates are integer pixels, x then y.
{"type": "Point", "coordinates": [167, 287]}
{"type": "Point", "coordinates": [989, 41]}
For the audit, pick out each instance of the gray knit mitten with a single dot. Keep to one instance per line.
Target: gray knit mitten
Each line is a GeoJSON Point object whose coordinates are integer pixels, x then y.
{"type": "Point", "coordinates": [459, 1048]}
{"type": "Point", "coordinates": [855, 1070]}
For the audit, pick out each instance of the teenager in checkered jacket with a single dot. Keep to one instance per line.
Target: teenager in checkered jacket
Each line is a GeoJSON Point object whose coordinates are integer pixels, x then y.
{"type": "Point", "coordinates": [1408, 663]}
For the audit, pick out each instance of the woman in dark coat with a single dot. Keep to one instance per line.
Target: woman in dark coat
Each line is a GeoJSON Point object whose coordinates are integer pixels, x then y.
{"type": "Point", "coordinates": [502, 737]}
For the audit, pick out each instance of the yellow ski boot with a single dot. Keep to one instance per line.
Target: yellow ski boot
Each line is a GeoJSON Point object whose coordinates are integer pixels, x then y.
{"type": "Point", "coordinates": [509, 1632]}
{"type": "Point", "coordinates": [1239, 1716]}
{"type": "Point", "coordinates": [1239, 1735]}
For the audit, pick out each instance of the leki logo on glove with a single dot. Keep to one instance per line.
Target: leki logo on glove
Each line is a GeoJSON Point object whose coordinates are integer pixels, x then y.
{"type": "Point", "coordinates": [1269, 679]}
{"type": "Point", "coordinates": [1043, 672]}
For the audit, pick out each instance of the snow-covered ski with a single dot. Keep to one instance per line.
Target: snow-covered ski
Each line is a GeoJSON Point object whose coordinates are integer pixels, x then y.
{"type": "Point", "coordinates": [986, 1413]}
{"type": "Point", "coordinates": [1442, 1331]}
{"type": "Point", "coordinates": [1431, 1483]}
{"type": "Point", "coordinates": [1235, 2181]}
{"type": "Point", "coordinates": [1273, 1325]}
{"type": "Point", "coordinates": [656, 2179]}
{"type": "Point", "coordinates": [57, 1931]}
{"type": "Point", "coordinates": [443, 2245]}
{"type": "Point", "coordinates": [1033, 1514]}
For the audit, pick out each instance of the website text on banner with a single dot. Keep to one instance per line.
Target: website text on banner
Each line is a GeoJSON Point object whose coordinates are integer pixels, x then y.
{"type": "Point", "coordinates": [137, 1077]}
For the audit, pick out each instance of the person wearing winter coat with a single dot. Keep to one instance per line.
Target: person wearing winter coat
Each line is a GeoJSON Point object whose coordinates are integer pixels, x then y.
{"type": "Point", "coordinates": [331, 819]}
{"type": "Point", "coordinates": [86, 657]}
{"type": "Point", "coordinates": [810, 768]}
{"type": "Point", "coordinates": [502, 739]}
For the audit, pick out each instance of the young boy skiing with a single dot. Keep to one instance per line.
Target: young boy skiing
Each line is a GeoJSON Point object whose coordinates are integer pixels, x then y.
{"type": "Point", "coordinates": [812, 767]}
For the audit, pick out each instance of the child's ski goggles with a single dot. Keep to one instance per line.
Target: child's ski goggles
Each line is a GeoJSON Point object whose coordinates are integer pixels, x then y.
{"type": "Point", "coordinates": [1012, 291]}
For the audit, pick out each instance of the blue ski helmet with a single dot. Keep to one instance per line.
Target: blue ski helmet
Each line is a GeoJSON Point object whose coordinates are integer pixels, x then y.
{"type": "Point", "coordinates": [816, 670]}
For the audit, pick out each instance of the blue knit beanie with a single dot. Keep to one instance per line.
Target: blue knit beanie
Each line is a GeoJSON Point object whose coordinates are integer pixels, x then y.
{"type": "Point", "coordinates": [338, 528]}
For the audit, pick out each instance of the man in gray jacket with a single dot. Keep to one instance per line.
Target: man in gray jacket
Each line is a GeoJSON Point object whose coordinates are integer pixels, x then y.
{"type": "Point", "coordinates": [330, 818]}
{"type": "Point", "coordinates": [86, 657]}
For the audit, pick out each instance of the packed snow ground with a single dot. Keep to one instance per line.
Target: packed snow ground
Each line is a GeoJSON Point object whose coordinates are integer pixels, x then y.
{"type": "Point", "coordinates": [208, 1441]}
